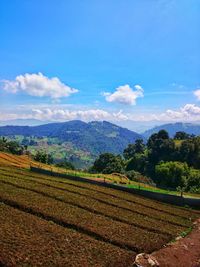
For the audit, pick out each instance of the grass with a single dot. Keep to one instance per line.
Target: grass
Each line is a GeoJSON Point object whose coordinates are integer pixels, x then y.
{"type": "Point", "coordinates": [152, 189]}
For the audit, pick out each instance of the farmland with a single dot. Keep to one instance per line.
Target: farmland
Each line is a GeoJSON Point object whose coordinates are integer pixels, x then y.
{"type": "Point", "coordinates": [50, 221]}
{"type": "Point", "coordinates": [24, 161]}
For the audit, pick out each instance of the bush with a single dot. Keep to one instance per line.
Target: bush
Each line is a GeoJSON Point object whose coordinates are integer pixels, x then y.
{"type": "Point", "coordinates": [138, 177]}
{"type": "Point", "coordinates": [108, 163]}
{"type": "Point", "coordinates": [172, 174]}
{"type": "Point", "coordinates": [193, 184]}
{"type": "Point", "coordinates": [43, 157]}
{"type": "Point", "coordinates": [11, 146]}
{"type": "Point", "coordinates": [66, 165]}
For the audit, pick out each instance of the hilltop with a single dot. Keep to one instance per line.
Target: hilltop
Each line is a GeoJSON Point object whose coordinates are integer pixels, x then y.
{"type": "Point", "coordinates": [172, 128]}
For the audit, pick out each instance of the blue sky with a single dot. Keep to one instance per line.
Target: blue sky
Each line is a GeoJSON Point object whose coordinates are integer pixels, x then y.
{"type": "Point", "coordinates": [122, 61]}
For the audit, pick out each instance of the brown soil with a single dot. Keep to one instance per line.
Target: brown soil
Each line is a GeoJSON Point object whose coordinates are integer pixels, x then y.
{"type": "Point", "coordinates": [185, 252]}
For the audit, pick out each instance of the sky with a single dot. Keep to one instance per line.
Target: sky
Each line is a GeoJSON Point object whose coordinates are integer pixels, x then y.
{"type": "Point", "coordinates": [132, 62]}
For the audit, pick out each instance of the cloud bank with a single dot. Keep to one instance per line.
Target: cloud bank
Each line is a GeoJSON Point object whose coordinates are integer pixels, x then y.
{"type": "Point", "coordinates": [187, 113]}
{"type": "Point", "coordinates": [190, 112]}
{"type": "Point", "coordinates": [38, 85]}
{"type": "Point", "coordinates": [59, 114]}
{"type": "Point", "coordinates": [124, 95]}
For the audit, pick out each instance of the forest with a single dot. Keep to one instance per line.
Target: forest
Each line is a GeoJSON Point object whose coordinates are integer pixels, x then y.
{"type": "Point", "coordinates": [171, 163]}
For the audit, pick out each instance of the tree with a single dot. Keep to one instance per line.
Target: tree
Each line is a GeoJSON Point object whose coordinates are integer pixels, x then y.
{"type": "Point", "coordinates": [172, 174]}
{"type": "Point", "coordinates": [181, 135]}
{"type": "Point", "coordinates": [162, 134]}
{"type": "Point", "coordinates": [66, 164]}
{"type": "Point", "coordinates": [189, 152]}
{"type": "Point", "coordinates": [139, 146]}
{"type": "Point", "coordinates": [137, 163]}
{"type": "Point", "coordinates": [129, 152]}
{"type": "Point", "coordinates": [3, 144]}
{"type": "Point", "coordinates": [43, 157]}
{"type": "Point", "coordinates": [108, 163]}
{"type": "Point", "coordinates": [132, 149]}
{"type": "Point", "coordinates": [11, 146]}
{"type": "Point", "coordinates": [15, 148]}
{"type": "Point", "coordinates": [161, 150]}
{"type": "Point", "coordinates": [193, 184]}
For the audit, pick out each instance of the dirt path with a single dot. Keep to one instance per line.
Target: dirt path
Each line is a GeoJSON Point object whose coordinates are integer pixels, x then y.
{"type": "Point", "coordinates": [185, 252]}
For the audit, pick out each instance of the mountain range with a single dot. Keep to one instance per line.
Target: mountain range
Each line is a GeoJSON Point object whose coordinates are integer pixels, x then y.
{"type": "Point", "coordinates": [95, 137]}
{"type": "Point", "coordinates": [81, 142]}
{"type": "Point", "coordinates": [172, 128]}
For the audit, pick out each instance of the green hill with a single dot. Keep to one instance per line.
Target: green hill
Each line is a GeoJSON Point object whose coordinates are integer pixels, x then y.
{"type": "Point", "coordinates": [77, 141]}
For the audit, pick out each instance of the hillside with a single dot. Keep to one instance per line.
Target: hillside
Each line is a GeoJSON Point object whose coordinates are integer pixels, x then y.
{"type": "Point", "coordinates": [172, 128]}
{"type": "Point", "coordinates": [25, 162]}
{"type": "Point", "coordinates": [61, 222]}
{"type": "Point", "coordinates": [77, 141]}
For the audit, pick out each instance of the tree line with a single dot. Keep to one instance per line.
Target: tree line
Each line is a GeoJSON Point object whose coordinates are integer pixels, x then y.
{"type": "Point", "coordinates": [169, 162]}
{"type": "Point", "coordinates": [12, 147]}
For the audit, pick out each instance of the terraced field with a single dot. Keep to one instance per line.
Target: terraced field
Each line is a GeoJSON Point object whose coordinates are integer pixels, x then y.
{"type": "Point", "coordinates": [50, 221]}
{"type": "Point", "coordinates": [24, 161]}
{"type": "Point", "coordinates": [10, 160]}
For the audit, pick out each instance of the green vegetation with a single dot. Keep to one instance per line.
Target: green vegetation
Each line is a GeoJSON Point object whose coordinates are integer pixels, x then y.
{"type": "Point", "coordinates": [180, 135]}
{"type": "Point", "coordinates": [11, 146]}
{"type": "Point", "coordinates": [43, 157]}
{"type": "Point", "coordinates": [65, 164]}
{"type": "Point", "coordinates": [170, 163]}
{"type": "Point", "coordinates": [175, 174]}
{"type": "Point", "coordinates": [108, 163]}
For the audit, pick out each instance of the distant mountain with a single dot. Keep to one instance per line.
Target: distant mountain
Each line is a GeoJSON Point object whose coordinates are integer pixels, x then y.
{"type": "Point", "coordinates": [172, 128]}
{"type": "Point", "coordinates": [95, 137]}
{"type": "Point", "coordinates": [139, 126]}
{"type": "Point", "coordinates": [22, 122]}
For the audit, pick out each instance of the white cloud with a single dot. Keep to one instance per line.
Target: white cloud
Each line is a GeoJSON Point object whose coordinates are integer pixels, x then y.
{"type": "Point", "coordinates": [39, 85]}
{"type": "Point", "coordinates": [191, 109]}
{"type": "Point", "coordinates": [125, 94]}
{"type": "Point", "coordinates": [61, 114]}
{"type": "Point", "coordinates": [187, 113]}
{"type": "Point", "coordinates": [197, 94]}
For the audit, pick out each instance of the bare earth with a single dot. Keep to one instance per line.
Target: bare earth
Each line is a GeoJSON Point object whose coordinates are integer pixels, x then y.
{"type": "Point", "coordinates": [185, 252]}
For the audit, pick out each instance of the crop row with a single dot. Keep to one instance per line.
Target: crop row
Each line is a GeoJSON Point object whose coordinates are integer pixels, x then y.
{"type": "Point", "coordinates": [37, 242]}
{"type": "Point", "coordinates": [96, 206]}
{"type": "Point", "coordinates": [117, 194]}
{"type": "Point", "coordinates": [18, 161]}
{"type": "Point", "coordinates": [98, 226]}
{"type": "Point", "coordinates": [135, 209]}
{"type": "Point", "coordinates": [5, 162]}
{"type": "Point", "coordinates": [113, 199]}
